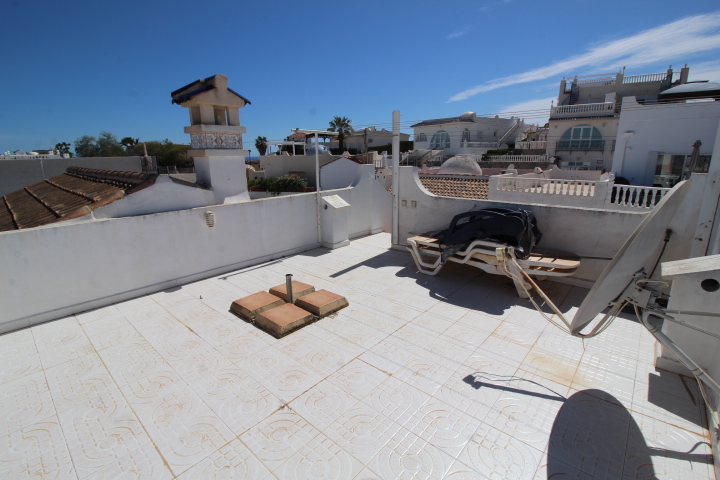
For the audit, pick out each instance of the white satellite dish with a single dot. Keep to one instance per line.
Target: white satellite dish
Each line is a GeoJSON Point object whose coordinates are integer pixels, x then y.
{"type": "Point", "coordinates": [625, 280]}
{"type": "Point", "coordinates": [640, 251]}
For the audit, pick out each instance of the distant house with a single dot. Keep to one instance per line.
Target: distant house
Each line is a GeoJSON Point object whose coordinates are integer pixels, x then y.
{"type": "Point", "coordinates": [467, 134]}
{"type": "Point", "coordinates": [583, 127]}
{"type": "Point", "coordinates": [369, 137]}
{"type": "Point", "coordinates": [655, 139]}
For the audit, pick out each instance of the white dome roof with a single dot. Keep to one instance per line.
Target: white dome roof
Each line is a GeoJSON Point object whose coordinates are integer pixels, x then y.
{"type": "Point", "coordinates": [460, 165]}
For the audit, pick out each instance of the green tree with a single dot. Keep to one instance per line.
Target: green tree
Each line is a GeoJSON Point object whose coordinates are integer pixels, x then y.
{"type": "Point", "coordinates": [261, 145]}
{"type": "Point", "coordinates": [166, 152]}
{"type": "Point", "coordinates": [343, 127]}
{"type": "Point", "coordinates": [85, 146]}
{"type": "Point", "coordinates": [129, 142]}
{"type": "Point", "coordinates": [63, 148]}
{"type": "Point", "coordinates": [109, 146]}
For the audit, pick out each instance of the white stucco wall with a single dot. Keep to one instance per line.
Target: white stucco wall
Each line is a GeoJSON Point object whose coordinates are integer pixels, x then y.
{"type": "Point", "coordinates": [279, 165]}
{"type": "Point", "coordinates": [338, 174]}
{"type": "Point", "coordinates": [596, 235]}
{"type": "Point", "coordinates": [670, 128]}
{"type": "Point", "coordinates": [18, 174]}
{"type": "Point", "coordinates": [61, 269]}
{"type": "Point", "coordinates": [163, 196]}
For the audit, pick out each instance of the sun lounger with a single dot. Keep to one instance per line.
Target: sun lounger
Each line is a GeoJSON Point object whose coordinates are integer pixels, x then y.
{"type": "Point", "coordinates": [426, 252]}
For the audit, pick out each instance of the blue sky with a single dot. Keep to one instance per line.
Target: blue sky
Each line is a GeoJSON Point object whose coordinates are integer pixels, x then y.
{"type": "Point", "coordinates": [76, 67]}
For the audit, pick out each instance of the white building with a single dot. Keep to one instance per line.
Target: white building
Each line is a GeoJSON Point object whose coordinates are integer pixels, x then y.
{"type": "Point", "coordinates": [655, 139]}
{"type": "Point", "coordinates": [369, 137]}
{"type": "Point", "coordinates": [584, 124]}
{"type": "Point", "coordinates": [467, 134]}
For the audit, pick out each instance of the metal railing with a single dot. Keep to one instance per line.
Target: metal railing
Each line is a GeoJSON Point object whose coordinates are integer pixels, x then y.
{"type": "Point", "coordinates": [580, 145]}
{"type": "Point", "coordinates": [635, 196]}
{"type": "Point", "coordinates": [608, 107]}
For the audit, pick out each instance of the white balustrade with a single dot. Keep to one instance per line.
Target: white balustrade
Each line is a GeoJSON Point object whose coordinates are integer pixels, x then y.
{"type": "Point", "coordinates": [635, 196]}
{"type": "Point", "coordinates": [515, 158]}
{"type": "Point", "coordinates": [531, 145]}
{"type": "Point", "coordinates": [545, 186]}
{"type": "Point", "coordinates": [596, 81]}
{"type": "Point", "coordinates": [650, 77]}
{"type": "Point", "coordinates": [583, 108]}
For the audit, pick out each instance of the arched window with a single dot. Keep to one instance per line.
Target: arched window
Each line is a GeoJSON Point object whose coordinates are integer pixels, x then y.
{"type": "Point", "coordinates": [440, 140]}
{"type": "Point", "coordinates": [421, 137]}
{"type": "Point", "coordinates": [465, 136]}
{"type": "Point", "coordinates": [581, 137]}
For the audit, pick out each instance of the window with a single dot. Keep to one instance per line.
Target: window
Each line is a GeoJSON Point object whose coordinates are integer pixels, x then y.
{"type": "Point", "coordinates": [421, 137]}
{"type": "Point", "coordinates": [440, 140]}
{"type": "Point", "coordinates": [465, 136]}
{"type": "Point", "coordinates": [671, 168]}
{"type": "Point", "coordinates": [581, 137]}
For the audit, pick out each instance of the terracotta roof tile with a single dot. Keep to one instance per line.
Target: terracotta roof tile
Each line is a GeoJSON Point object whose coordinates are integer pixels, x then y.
{"type": "Point", "coordinates": [69, 195]}
{"type": "Point", "coordinates": [456, 187]}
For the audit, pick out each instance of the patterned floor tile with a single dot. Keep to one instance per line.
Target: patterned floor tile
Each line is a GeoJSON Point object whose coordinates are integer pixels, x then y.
{"type": "Point", "coordinates": [424, 374]}
{"type": "Point", "coordinates": [495, 454]}
{"type": "Point", "coordinates": [323, 404]}
{"type": "Point", "coordinates": [389, 355]}
{"type": "Point", "coordinates": [445, 427]}
{"type": "Point", "coordinates": [60, 341]}
{"type": "Point", "coordinates": [239, 399]}
{"type": "Point", "coordinates": [77, 381]}
{"type": "Point", "coordinates": [396, 399]}
{"type": "Point", "coordinates": [320, 459]}
{"type": "Point", "coordinates": [361, 431]}
{"type": "Point", "coordinates": [358, 378]}
{"type": "Point", "coordinates": [192, 441]}
{"type": "Point", "coordinates": [586, 450]}
{"type": "Point", "coordinates": [132, 361]}
{"type": "Point", "coordinates": [407, 456]}
{"type": "Point", "coordinates": [279, 437]}
{"type": "Point", "coordinates": [233, 460]}
{"type": "Point", "coordinates": [145, 462]}
{"type": "Point", "coordinates": [20, 357]}
{"type": "Point", "coordinates": [38, 450]}
{"type": "Point", "coordinates": [23, 402]}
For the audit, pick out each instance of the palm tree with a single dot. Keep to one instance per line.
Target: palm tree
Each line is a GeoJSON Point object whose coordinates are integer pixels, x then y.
{"type": "Point", "coordinates": [342, 126]}
{"type": "Point", "coordinates": [261, 145]}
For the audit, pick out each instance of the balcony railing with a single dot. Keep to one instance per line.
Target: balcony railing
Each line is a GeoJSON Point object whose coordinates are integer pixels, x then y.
{"type": "Point", "coordinates": [582, 145]}
{"type": "Point", "coordinates": [650, 77]}
{"type": "Point", "coordinates": [584, 109]}
{"type": "Point", "coordinates": [594, 82]}
{"type": "Point", "coordinates": [636, 196]}
{"type": "Point", "coordinates": [515, 158]}
{"type": "Point", "coordinates": [531, 145]}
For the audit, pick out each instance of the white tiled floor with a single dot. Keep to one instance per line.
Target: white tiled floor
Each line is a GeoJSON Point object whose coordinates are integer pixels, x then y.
{"type": "Point", "coordinates": [420, 377]}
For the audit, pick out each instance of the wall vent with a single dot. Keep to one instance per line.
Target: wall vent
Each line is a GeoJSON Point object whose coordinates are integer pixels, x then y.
{"type": "Point", "coordinates": [210, 219]}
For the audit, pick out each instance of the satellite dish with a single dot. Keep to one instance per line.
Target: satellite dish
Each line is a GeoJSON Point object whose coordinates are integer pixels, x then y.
{"type": "Point", "coordinates": [638, 252]}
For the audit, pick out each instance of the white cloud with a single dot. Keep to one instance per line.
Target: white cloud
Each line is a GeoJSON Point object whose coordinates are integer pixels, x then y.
{"type": "Point", "coordinates": [458, 33]}
{"type": "Point", "coordinates": [533, 111]}
{"type": "Point", "coordinates": [699, 33]}
{"type": "Point", "coordinates": [705, 71]}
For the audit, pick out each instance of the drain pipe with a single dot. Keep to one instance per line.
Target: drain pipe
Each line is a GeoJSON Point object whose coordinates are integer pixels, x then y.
{"type": "Point", "coordinates": [395, 174]}
{"type": "Point", "coordinates": [288, 288]}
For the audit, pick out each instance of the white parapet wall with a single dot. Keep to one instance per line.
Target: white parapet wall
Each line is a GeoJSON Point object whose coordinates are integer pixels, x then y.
{"type": "Point", "coordinates": [62, 269]}
{"type": "Point", "coordinates": [594, 234]}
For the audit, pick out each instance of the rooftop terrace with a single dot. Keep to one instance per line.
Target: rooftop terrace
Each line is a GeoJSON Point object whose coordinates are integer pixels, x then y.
{"type": "Point", "coordinates": [450, 376]}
